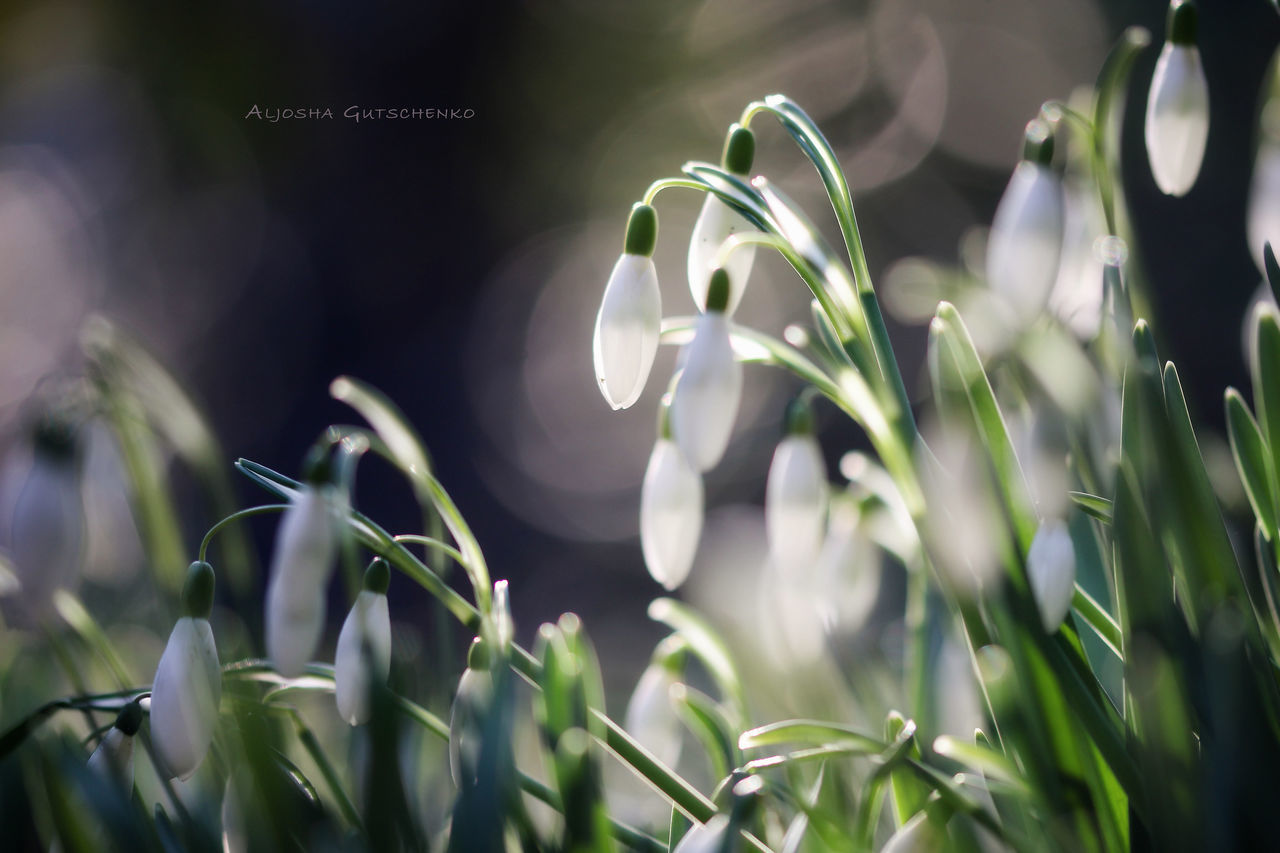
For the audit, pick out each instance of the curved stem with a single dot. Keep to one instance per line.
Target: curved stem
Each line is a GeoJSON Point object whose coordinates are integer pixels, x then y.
{"type": "Point", "coordinates": [236, 516]}
{"type": "Point", "coordinates": [667, 183]}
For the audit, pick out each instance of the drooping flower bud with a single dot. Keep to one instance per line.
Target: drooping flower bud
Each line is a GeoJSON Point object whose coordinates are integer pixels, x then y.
{"type": "Point", "coordinates": [795, 509]}
{"type": "Point", "coordinates": [705, 402]}
{"type": "Point", "coordinates": [113, 759]}
{"type": "Point", "coordinates": [471, 702]}
{"type": "Point", "coordinates": [671, 510]}
{"type": "Point", "coordinates": [1025, 245]}
{"type": "Point", "coordinates": [1051, 570]}
{"type": "Point", "coordinates": [651, 717]}
{"type": "Point", "coordinates": [1263, 218]}
{"type": "Point", "coordinates": [717, 222]}
{"type": "Point", "coordinates": [188, 682]}
{"type": "Point", "coordinates": [305, 548]}
{"type": "Point", "coordinates": [363, 657]}
{"type": "Point", "coordinates": [1177, 125]}
{"type": "Point", "coordinates": [630, 317]}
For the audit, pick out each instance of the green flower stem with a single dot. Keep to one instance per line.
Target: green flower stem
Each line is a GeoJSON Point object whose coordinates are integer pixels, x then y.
{"type": "Point", "coordinates": [415, 539]}
{"type": "Point", "coordinates": [20, 730]}
{"type": "Point", "coordinates": [234, 517]}
{"type": "Point", "coordinates": [308, 740]}
{"type": "Point", "coordinates": [668, 183]}
{"type": "Point", "coordinates": [1112, 81]}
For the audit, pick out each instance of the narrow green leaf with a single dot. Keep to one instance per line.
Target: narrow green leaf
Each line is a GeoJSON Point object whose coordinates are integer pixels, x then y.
{"type": "Point", "coordinates": [1099, 508]}
{"type": "Point", "coordinates": [707, 721]}
{"type": "Point", "coordinates": [1266, 376]}
{"type": "Point", "coordinates": [811, 732]}
{"type": "Point", "coordinates": [1253, 461]}
{"type": "Point", "coordinates": [707, 645]}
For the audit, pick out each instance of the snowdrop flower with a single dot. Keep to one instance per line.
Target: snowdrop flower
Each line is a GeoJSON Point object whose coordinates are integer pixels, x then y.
{"type": "Point", "coordinates": [363, 657]}
{"type": "Point", "coordinates": [47, 529]}
{"type": "Point", "coordinates": [630, 317]}
{"type": "Point", "coordinates": [717, 222]}
{"type": "Point", "coordinates": [470, 702]}
{"type": "Point", "coordinates": [1051, 569]}
{"type": "Point", "coordinates": [1177, 125]}
{"type": "Point", "coordinates": [306, 545]}
{"type": "Point", "coordinates": [795, 508]}
{"type": "Point", "coordinates": [188, 682]}
{"type": "Point", "coordinates": [113, 759]}
{"type": "Point", "coordinates": [705, 402]}
{"type": "Point", "coordinates": [1263, 217]}
{"type": "Point", "coordinates": [1026, 235]}
{"type": "Point", "coordinates": [651, 717]}
{"type": "Point", "coordinates": [671, 510]}
{"type": "Point", "coordinates": [706, 837]}
{"type": "Point", "coordinates": [917, 835]}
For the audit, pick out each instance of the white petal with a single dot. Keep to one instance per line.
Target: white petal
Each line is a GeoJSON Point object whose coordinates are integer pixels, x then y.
{"type": "Point", "coordinates": [651, 718]}
{"type": "Point", "coordinates": [1177, 125]}
{"type": "Point", "coordinates": [917, 835]}
{"type": "Point", "coordinates": [627, 330]}
{"type": "Point", "coordinates": [1263, 219]}
{"type": "Point", "coordinates": [185, 696]}
{"type": "Point", "coordinates": [705, 838]}
{"type": "Point", "coordinates": [475, 691]}
{"type": "Point", "coordinates": [795, 508]}
{"type": "Point", "coordinates": [847, 573]}
{"type": "Point", "coordinates": [306, 545]}
{"type": "Point", "coordinates": [47, 532]}
{"type": "Point", "coordinates": [1026, 239]}
{"type": "Point", "coordinates": [1051, 569]}
{"type": "Point", "coordinates": [716, 222]}
{"type": "Point", "coordinates": [355, 669]}
{"type": "Point", "coordinates": [671, 508]}
{"type": "Point", "coordinates": [707, 394]}
{"type": "Point", "coordinates": [113, 759]}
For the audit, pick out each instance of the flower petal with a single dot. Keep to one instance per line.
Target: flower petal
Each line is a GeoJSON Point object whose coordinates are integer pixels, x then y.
{"type": "Point", "coordinates": [627, 329]}
{"type": "Point", "coordinates": [1177, 124]}
{"type": "Point", "coordinates": [705, 403]}
{"type": "Point", "coordinates": [716, 223]}
{"type": "Point", "coordinates": [363, 656]}
{"type": "Point", "coordinates": [671, 509]}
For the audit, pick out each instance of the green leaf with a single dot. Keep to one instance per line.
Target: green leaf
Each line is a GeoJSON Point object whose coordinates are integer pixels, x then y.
{"type": "Point", "coordinates": [707, 721]}
{"type": "Point", "coordinates": [1266, 376]}
{"type": "Point", "coordinates": [814, 732]}
{"type": "Point", "coordinates": [707, 645]}
{"type": "Point", "coordinates": [1253, 461]}
{"type": "Point", "coordinates": [1099, 508]}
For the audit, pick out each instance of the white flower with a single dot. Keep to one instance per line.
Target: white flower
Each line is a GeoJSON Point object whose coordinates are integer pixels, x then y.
{"type": "Point", "coordinates": [1177, 124]}
{"type": "Point", "coordinates": [671, 509]}
{"type": "Point", "coordinates": [706, 837]}
{"type": "Point", "coordinates": [917, 835]}
{"type": "Point", "coordinates": [470, 703]}
{"type": "Point", "coordinates": [717, 222]}
{"type": "Point", "coordinates": [113, 759]}
{"type": "Point", "coordinates": [188, 682]}
{"type": "Point", "coordinates": [1025, 245]}
{"type": "Point", "coordinates": [795, 507]}
{"type": "Point", "coordinates": [630, 317]}
{"type": "Point", "coordinates": [1051, 570]}
{"type": "Point", "coordinates": [363, 656]}
{"type": "Point", "coordinates": [847, 575]}
{"type": "Point", "coordinates": [1263, 218]}
{"type": "Point", "coordinates": [705, 402]}
{"type": "Point", "coordinates": [651, 717]}
{"type": "Point", "coordinates": [306, 545]}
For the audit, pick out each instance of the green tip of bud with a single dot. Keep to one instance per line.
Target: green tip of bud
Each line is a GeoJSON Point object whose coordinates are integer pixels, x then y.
{"type": "Point", "coordinates": [739, 150]}
{"type": "Point", "coordinates": [378, 576]}
{"type": "Point", "coordinates": [129, 719]}
{"type": "Point", "coordinates": [478, 655]}
{"type": "Point", "coordinates": [1182, 22]}
{"type": "Point", "coordinates": [799, 417]}
{"type": "Point", "coordinates": [664, 418]}
{"type": "Point", "coordinates": [1037, 142]}
{"type": "Point", "coordinates": [316, 470]}
{"type": "Point", "coordinates": [642, 231]}
{"type": "Point", "coordinates": [718, 291]}
{"type": "Point", "coordinates": [197, 592]}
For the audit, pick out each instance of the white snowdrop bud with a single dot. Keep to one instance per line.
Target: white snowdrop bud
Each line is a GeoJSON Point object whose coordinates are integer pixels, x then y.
{"type": "Point", "coordinates": [113, 759]}
{"type": "Point", "coordinates": [795, 509]}
{"type": "Point", "coordinates": [705, 402]}
{"type": "Point", "coordinates": [917, 835]}
{"type": "Point", "coordinates": [717, 222]}
{"type": "Point", "coordinates": [1051, 570]}
{"type": "Point", "coordinates": [706, 837]}
{"type": "Point", "coordinates": [363, 657]}
{"type": "Point", "coordinates": [188, 682]}
{"type": "Point", "coordinates": [1263, 217]}
{"type": "Point", "coordinates": [305, 548]}
{"type": "Point", "coordinates": [1177, 125]}
{"type": "Point", "coordinates": [671, 510]}
{"type": "Point", "coordinates": [651, 716]}
{"type": "Point", "coordinates": [630, 317]}
{"type": "Point", "coordinates": [1025, 245]}
{"type": "Point", "coordinates": [470, 703]}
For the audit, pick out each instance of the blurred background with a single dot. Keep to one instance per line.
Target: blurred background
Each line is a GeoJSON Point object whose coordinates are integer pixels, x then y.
{"type": "Point", "coordinates": [457, 264]}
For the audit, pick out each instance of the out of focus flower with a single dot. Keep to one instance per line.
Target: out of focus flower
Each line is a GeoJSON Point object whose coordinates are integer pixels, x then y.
{"type": "Point", "coordinates": [705, 402]}
{"type": "Point", "coordinates": [651, 717]}
{"type": "Point", "coordinates": [795, 509]}
{"type": "Point", "coordinates": [1026, 235]}
{"type": "Point", "coordinates": [470, 703]}
{"type": "Point", "coordinates": [363, 657]}
{"type": "Point", "coordinates": [847, 576]}
{"type": "Point", "coordinates": [630, 318]}
{"type": "Point", "coordinates": [113, 759]}
{"type": "Point", "coordinates": [671, 510]}
{"type": "Point", "coordinates": [188, 682]}
{"type": "Point", "coordinates": [306, 545]}
{"type": "Point", "coordinates": [717, 222]}
{"type": "Point", "coordinates": [1177, 125]}
{"type": "Point", "coordinates": [1051, 570]}
{"type": "Point", "coordinates": [1263, 218]}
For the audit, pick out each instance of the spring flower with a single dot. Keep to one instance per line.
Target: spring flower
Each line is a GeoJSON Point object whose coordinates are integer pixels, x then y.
{"type": "Point", "coordinates": [188, 682]}
{"type": "Point", "coordinates": [795, 509]}
{"type": "Point", "coordinates": [113, 759]}
{"type": "Point", "coordinates": [1051, 569]}
{"type": "Point", "coordinates": [363, 656]}
{"type": "Point", "coordinates": [651, 717]}
{"type": "Point", "coordinates": [470, 702]}
{"type": "Point", "coordinates": [717, 222]}
{"type": "Point", "coordinates": [1177, 125]}
{"type": "Point", "coordinates": [671, 509]}
{"type": "Point", "coordinates": [705, 402]}
{"type": "Point", "coordinates": [630, 317]}
{"type": "Point", "coordinates": [1026, 235]}
{"type": "Point", "coordinates": [1263, 217]}
{"type": "Point", "coordinates": [306, 545]}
